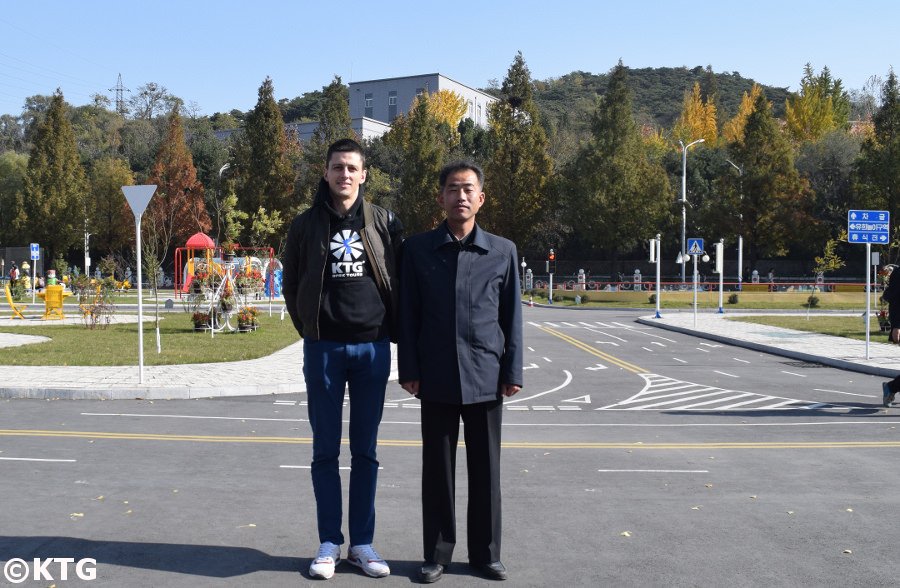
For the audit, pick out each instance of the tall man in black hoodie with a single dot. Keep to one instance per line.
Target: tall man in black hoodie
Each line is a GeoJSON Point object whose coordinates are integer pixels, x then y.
{"type": "Point", "coordinates": [340, 289]}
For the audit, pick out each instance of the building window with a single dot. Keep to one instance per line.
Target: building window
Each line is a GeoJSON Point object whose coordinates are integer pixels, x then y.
{"type": "Point", "coordinates": [392, 105]}
{"type": "Point", "coordinates": [471, 110]}
{"type": "Point", "coordinates": [419, 92]}
{"type": "Point", "coordinates": [479, 114]}
{"type": "Point", "coordinates": [369, 108]}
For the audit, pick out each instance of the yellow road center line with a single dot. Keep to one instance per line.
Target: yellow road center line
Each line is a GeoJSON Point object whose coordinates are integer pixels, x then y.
{"type": "Point", "coordinates": [596, 352]}
{"type": "Point", "coordinates": [416, 443]}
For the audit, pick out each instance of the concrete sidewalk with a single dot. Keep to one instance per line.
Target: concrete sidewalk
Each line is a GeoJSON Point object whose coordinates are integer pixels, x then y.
{"type": "Point", "coordinates": [841, 352]}
{"type": "Point", "coordinates": [280, 372]}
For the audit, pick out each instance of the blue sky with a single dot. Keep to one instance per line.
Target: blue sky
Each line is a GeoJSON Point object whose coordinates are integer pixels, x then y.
{"type": "Point", "coordinates": [216, 54]}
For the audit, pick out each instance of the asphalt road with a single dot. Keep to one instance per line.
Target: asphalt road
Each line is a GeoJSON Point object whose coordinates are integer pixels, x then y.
{"type": "Point", "coordinates": [633, 456]}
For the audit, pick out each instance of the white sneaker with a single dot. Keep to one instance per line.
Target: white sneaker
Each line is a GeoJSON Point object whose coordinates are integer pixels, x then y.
{"type": "Point", "coordinates": [368, 560]}
{"type": "Point", "coordinates": [329, 556]}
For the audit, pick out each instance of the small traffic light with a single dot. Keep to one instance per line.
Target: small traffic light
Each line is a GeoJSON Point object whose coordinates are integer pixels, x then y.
{"type": "Point", "coordinates": [551, 256]}
{"type": "Point", "coordinates": [551, 262]}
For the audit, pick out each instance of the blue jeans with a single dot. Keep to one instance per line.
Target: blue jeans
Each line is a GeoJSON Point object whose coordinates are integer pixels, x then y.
{"type": "Point", "coordinates": [363, 367]}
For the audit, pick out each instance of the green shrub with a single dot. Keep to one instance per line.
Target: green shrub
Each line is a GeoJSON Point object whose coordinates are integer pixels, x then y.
{"type": "Point", "coordinates": [733, 298]}
{"type": "Point", "coordinates": [813, 301]}
{"type": "Point", "coordinates": [653, 299]}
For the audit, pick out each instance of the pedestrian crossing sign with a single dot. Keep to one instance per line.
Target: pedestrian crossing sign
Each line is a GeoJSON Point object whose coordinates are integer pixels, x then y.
{"type": "Point", "coordinates": [695, 246]}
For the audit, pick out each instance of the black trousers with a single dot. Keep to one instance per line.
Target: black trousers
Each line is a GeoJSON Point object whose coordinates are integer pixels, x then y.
{"type": "Point", "coordinates": [440, 434]}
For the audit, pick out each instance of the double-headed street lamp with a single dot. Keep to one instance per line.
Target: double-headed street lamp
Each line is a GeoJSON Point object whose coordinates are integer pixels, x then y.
{"type": "Point", "coordinates": [684, 150]}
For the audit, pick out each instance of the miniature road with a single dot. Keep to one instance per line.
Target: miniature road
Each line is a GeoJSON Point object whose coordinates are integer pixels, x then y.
{"type": "Point", "coordinates": [633, 456]}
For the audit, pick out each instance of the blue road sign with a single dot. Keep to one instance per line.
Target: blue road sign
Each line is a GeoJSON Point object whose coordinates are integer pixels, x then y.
{"type": "Point", "coordinates": [35, 252]}
{"type": "Point", "coordinates": [869, 226]}
{"type": "Point", "coordinates": [695, 246]}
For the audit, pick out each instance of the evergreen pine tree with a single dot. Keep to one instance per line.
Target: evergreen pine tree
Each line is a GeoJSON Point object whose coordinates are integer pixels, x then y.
{"type": "Point", "coordinates": [777, 201]}
{"type": "Point", "coordinates": [617, 194]}
{"type": "Point", "coordinates": [55, 183]}
{"type": "Point", "coordinates": [265, 176]}
{"type": "Point", "coordinates": [519, 168]}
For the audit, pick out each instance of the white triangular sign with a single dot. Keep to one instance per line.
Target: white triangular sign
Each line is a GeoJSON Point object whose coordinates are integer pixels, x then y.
{"type": "Point", "coordinates": [138, 197]}
{"type": "Point", "coordinates": [586, 399]}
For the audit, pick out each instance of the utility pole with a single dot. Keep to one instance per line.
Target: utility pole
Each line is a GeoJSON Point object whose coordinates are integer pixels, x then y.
{"type": "Point", "coordinates": [120, 90]}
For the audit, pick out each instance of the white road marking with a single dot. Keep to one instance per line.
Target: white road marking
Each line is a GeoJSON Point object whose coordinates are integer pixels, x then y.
{"type": "Point", "coordinates": [614, 344]}
{"type": "Point", "coordinates": [847, 393]}
{"type": "Point", "coordinates": [703, 350]}
{"type": "Point", "coordinates": [531, 348]}
{"type": "Point", "coordinates": [793, 374]}
{"type": "Point", "coordinates": [551, 324]}
{"type": "Point", "coordinates": [560, 387]}
{"type": "Point", "coordinates": [586, 399]}
{"type": "Point", "coordinates": [657, 343]}
{"type": "Point", "coordinates": [613, 337]}
{"type": "Point", "coordinates": [187, 416]}
{"type": "Point", "coordinates": [711, 345]}
{"type": "Point", "coordinates": [647, 349]}
{"type": "Point", "coordinates": [543, 408]}
{"type": "Point", "coordinates": [548, 360]}
{"type": "Point", "coordinates": [679, 360]}
{"type": "Point", "coordinates": [568, 408]}
{"type": "Point", "coordinates": [533, 324]}
{"type": "Point", "coordinates": [36, 459]}
{"type": "Point", "coordinates": [740, 360]}
{"type": "Point", "coordinates": [531, 366]}
{"type": "Point", "coordinates": [306, 467]}
{"type": "Point", "coordinates": [571, 325]}
{"type": "Point", "coordinates": [645, 332]}
{"type": "Point", "coordinates": [285, 402]}
{"type": "Point", "coordinates": [596, 367]}
{"type": "Point", "coordinates": [516, 407]}
{"type": "Point", "coordinates": [726, 374]}
{"type": "Point", "coordinates": [654, 471]}
{"type": "Point", "coordinates": [664, 393]}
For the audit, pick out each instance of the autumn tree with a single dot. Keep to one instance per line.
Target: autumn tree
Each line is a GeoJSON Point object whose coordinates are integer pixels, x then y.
{"type": "Point", "coordinates": [820, 106]}
{"type": "Point", "coordinates": [111, 220]}
{"type": "Point", "coordinates": [878, 169]}
{"type": "Point", "coordinates": [697, 119]}
{"type": "Point", "coordinates": [177, 209]}
{"type": "Point", "coordinates": [13, 167]}
{"type": "Point", "coordinates": [733, 130]}
{"type": "Point", "coordinates": [519, 168]}
{"type": "Point", "coordinates": [777, 203]}
{"type": "Point", "coordinates": [55, 183]}
{"type": "Point", "coordinates": [265, 177]}
{"type": "Point", "coordinates": [617, 195]}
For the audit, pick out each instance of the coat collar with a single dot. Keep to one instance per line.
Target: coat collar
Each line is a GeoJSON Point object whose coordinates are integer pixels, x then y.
{"type": "Point", "coordinates": [442, 236]}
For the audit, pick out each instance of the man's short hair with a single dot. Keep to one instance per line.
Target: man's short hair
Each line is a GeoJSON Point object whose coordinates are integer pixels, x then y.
{"type": "Point", "coordinates": [461, 165]}
{"type": "Point", "coordinates": [345, 146]}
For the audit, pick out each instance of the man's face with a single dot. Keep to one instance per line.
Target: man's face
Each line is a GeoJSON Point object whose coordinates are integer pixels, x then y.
{"type": "Point", "coordinates": [461, 196]}
{"type": "Point", "coordinates": [344, 174]}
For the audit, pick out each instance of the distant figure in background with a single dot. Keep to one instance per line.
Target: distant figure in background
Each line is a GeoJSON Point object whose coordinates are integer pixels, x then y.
{"type": "Point", "coordinates": [892, 297]}
{"type": "Point", "coordinates": [13, 273]}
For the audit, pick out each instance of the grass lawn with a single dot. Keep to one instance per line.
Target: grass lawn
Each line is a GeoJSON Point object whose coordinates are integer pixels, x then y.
{"type": "Point", "coordinates": [118, 344]}
{"type": "Point", "coordinates": [710, 299]}
{"type": "Point", "coordinates": [852, 327]}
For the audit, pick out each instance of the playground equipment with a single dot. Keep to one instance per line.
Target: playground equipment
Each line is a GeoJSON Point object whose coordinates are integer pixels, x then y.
{"type": "Point", "coordinates": [16, 308]}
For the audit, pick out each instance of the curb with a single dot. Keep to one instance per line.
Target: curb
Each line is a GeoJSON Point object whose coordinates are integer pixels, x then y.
{"type": "Point", "coordinates": [830, 361]}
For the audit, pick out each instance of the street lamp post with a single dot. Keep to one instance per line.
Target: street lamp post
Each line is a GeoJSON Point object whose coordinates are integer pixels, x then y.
{"type": "Point", "coordinates": [740, 268]}
{"type": "Point", "coordinates": [684, 150]}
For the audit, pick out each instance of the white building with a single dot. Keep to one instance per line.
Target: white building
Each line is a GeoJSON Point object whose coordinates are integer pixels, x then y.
{"type": "Point", "coordinates": [388, 98]}
{"type": "Point", "coordinates": [375, 103]}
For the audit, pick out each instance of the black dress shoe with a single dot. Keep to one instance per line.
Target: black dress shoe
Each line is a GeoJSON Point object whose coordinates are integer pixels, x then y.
{"type": "Point", "coordinates": [430, 572]}
{"type": "Point", "coordinates": [494, 570]}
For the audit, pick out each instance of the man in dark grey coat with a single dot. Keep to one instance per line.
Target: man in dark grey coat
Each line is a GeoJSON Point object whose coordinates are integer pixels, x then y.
{"type": "Point", "coordinates": [460, 353]}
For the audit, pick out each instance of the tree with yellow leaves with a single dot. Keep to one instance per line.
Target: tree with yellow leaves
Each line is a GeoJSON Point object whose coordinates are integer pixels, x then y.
{"type": "Point", "coordinates": [447, 106]}
{"type": "Point", "coordinates": [733, 130]}
{"type": "Point", "coordinates": [820, 106]}
{"type": "Point", "coordinates": [697, 119]}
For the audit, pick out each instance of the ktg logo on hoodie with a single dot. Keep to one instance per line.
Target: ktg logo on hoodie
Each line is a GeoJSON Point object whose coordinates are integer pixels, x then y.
{"type": "Point", "coordinates": [347, 248]}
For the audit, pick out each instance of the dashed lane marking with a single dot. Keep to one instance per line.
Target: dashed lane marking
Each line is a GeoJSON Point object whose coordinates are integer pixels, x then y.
{"type": "Point", "coordinates": [37, 459]}
{"type": "Point", "coordinates": [793, 374]}
{"type": "Point", "coordinates": [740, 360]}
{"type": "Point", "coordinates": [725, 374]}
{"type": "Point", "coordinates": [595, 352]}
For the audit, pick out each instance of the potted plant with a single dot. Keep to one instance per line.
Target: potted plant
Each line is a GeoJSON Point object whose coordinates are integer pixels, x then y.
{"type": "Point", "coordinates": [884, 321]}
{"type": "Point", "coordinates": [201, 320]}
{"type": "Point", "coordinates": [247, 318]}
{"type": "Point", "coordinates": [249, 282]}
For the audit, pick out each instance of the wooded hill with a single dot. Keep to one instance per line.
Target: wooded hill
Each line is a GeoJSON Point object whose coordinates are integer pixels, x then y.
{"type": "Point", "coordinates": [569, 100]}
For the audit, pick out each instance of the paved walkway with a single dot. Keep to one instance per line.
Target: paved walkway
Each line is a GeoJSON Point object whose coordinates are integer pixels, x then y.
{"type": "Point", "coordinates": [280, 372]}
{"type": "Point", "coordinates": [883, 358]}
